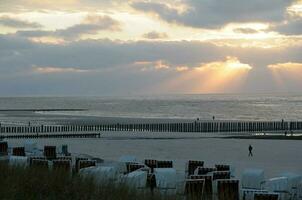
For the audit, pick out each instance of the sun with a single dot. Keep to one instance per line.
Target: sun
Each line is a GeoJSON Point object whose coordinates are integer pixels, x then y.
{"type": "Point", "coordinates": [232, 63]}
{"type": "Point", "coordinates": [212, 77]}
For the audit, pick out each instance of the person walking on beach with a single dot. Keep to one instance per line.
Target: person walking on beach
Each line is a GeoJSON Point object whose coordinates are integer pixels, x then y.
{"type": "Point", "coordinates": [250, 151]}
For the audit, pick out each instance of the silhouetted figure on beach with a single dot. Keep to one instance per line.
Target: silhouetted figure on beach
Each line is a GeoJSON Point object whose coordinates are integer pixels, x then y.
{"type": "Point", "coordinates": [213, 117]}
{"type": "Point", "coordinates": [250, 150]}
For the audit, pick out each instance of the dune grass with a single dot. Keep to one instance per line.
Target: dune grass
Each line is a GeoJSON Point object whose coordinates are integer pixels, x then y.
{"type": "Point", "coordinates": [19, 183]}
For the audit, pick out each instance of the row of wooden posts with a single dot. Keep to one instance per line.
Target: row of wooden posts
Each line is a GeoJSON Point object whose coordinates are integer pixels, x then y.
{"type": "Point", "coordinates": [212, 126]}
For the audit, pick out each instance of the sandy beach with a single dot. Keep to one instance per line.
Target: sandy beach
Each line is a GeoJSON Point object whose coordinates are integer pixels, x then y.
{"type": "Point", "coordinates": [274, 156]}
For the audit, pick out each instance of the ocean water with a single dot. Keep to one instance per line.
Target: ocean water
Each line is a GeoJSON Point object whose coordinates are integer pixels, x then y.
{"type": "Point", "coordinates": [223, 107]}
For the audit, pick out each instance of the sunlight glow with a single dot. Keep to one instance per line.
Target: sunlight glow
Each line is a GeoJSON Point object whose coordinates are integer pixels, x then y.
{"type": "Point", "coordinates": [52, 70]}
{"type": "Point", "coordinates": [48, 40]}
{"type": "Point", "coordinates": [295, 10]}
{"type": "Point", "coordinates": [286, 71]}
{"type": "Point", "coordinates": [213, 77]}
{"type": "Point", "coordinates": [152, 65]}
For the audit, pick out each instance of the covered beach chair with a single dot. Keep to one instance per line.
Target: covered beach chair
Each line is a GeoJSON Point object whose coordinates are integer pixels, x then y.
{"type": "Point", "coordinates": [208, 185]}
{"type": "Point", "coordinates": [279, 185]}
{"type": "Point", "coordinates": [39, 163]}
{"type": "Point", "coordinates": [293, 183]}
{"type": "Point", "coordinates": [194, 189]}
{"type": "Point", "coordinates": [248, 194]}
{"type": "Point", "coordinates": [50, 152]}
{"type": "Point", "coordinates": [221, 167]}
{"type": "Point", "coordinates": [166, 180]}
{"type": "Point", "coordinates": [136, 179]}
{"type": "Point", "coordinates": [18, 151]}
{"type": "Point", "coordinates": [221, 175]}
{"type": "Point", "coordinates": [101, 173]}
{"type": "Point", "coordinates": [192, 165]}
{"type": "Point", "coordinates": [253, 179]}
{"type": "Point", "coordinates": [61, 164]}
{"type": "Point", "coordinates": [164, 164]}
{"type": "Point", "coordinates": [131, 167]}
{"type": "Point", "coordinates": [151, 163]}
{"type": "Point", "coordinates": [3, 148]}
{"type": "Point", "coordinates": [204, 170]}
{"type": "Point", "coordinates": [228, 189]}
{"type": "Point", "coordinates": [85, 164]}
{"type": "Point", "coordinates": [18, 161]}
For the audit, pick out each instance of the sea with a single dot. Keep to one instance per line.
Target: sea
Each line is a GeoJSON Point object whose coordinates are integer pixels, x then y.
{"type": "Point", "coordinates": [273, 156]}
{"type": "Point", "coordinates": [264, 107]}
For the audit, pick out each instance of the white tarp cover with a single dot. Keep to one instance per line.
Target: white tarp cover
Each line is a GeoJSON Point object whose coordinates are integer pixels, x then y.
{"type": "Point", "coordinates": [165, 178]}
{"type": "Point", "coordinates": [30, 146]}
{"type": "Point", "coordinates": [293, 183]}
{"type": "Point", "coordinates": [136, 179]}
{"type": "Point", "coordinates": [180, 182]}
{"type": "Point", "coordinates": [127, 158]}
{"type": "Point", "coordinates": [252, 178]}
{"type": "Point", "coordinates": [18, 160]}
{"type": "Point", "coordinates": [277, 184]}
{"type": "Point", "coordinates": [100, 173]}
{"type": "Point", "coordinates": [293, 179]}
{"type": "Point", "coordinates": [120, 167]}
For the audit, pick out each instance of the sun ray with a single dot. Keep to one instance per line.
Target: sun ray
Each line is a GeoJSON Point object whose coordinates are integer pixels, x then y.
{"type": "Point", "coordinates": [285, 71]}
{"type": "Point", "coordinates": [213, 77]}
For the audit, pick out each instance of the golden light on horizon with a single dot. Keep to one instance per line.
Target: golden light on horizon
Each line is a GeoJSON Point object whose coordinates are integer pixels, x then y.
{"type": "Point", "coordinates": [213, 77]}
{"type": "Point", "coordinates": [285, 71]}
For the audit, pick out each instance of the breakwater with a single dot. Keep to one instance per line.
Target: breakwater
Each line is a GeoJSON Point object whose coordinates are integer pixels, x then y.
{"type": "Point", "coordinates": [196, 126]}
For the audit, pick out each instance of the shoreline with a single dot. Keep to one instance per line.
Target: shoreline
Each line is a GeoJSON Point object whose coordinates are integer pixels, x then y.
{"type": "Point", "coordinates": [266, 137]}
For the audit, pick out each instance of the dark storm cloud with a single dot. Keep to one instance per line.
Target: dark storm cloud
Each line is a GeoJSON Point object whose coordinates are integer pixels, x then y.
{"type": "Point", "coordinates": [17, 23]}
{"type": "Point", "coordinates": [216, 13]}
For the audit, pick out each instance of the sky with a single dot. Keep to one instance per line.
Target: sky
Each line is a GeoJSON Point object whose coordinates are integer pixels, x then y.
{"type": "Point", "coordinates": [119, 47]}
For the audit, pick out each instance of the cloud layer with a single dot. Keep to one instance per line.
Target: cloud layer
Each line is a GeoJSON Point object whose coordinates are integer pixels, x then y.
{"type": "Point", "coordinates": [92, 24]}
{"type": "Point", "coordinates": [149, 46]}
{"type": "Point", "coordinates": [217, 13]}
{"type": "Point", "coordinates": [17, 23]}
